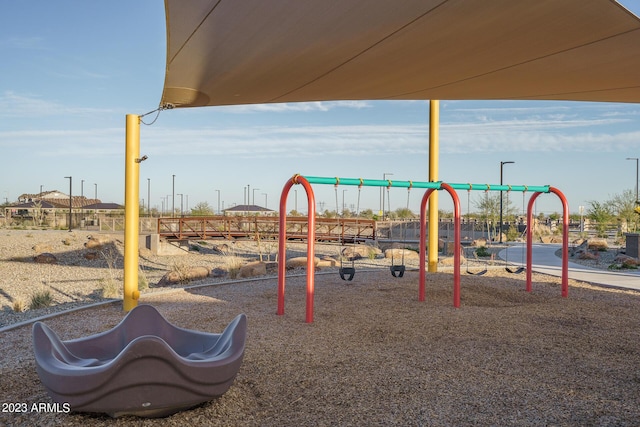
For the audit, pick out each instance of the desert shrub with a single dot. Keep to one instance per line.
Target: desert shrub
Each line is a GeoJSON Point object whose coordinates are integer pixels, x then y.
{"type": "Point", "coordinates": [19, 305]}
{"type": "Point", "coordinates": [41, 299]}
{"type": "Point", "coordinates": [233, 264]}
{"type": "Point", "coordinates": [143, 282]}
{"type": "Point", "coordinates": [482, 251]}
{"type": "Point", "coordinates": [512, 234]}
{"type": "Point", "coordinates": [109, 288]}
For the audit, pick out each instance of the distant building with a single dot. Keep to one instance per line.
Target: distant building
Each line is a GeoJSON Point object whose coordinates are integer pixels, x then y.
{"type": "Point", "coordinates": [51, 208]}
{"type": "Point", "coordinates": [248, 210]}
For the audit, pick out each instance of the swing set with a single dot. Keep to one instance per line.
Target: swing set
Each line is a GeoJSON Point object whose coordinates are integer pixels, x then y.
{"type": "Point", "coordinates": [507, 268]}
{"type": "Point", "coordinates": [306, 182]}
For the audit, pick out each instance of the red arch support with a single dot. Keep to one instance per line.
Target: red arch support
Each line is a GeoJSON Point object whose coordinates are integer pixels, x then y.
{"type": "Point", "coordinates": [565, 239]}
{"type": "Point", "coordinates": [282, 245]}
{"type": "Point", "coordinates": [423, 246]}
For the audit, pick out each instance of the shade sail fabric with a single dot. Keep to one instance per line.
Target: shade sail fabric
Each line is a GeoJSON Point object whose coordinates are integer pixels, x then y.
{"type": "Point", "coordinates": [225, 52]}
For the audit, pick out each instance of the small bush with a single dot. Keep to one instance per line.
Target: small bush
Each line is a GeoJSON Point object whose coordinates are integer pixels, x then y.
{"type": "Point", "coordinates": [19, 305]}
{"type": "Point", "coordinates": [180, 270]}
{"type": "Point", "coordinates": [482, 251]}
{"type": "Point", "coordinates": [110, 288]}
{"type": "Point", "coordinates": [233, 264]}
{"type": "Point", "coordinates": [512, 234]}
{"type": "Point", "coordinates": [41, 299]}
{"type": "Point", "coordinates": [143, 282]}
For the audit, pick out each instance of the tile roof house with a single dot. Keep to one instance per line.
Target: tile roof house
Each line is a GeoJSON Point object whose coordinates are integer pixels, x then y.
{"type": "Point", "coordinates": [248, 210]}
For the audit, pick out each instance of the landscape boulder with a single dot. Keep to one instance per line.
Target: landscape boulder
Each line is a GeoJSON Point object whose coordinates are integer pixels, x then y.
{"type": "Point", "coordinates": [299, 262]}
{"type": "Point", "coordinates": [184, 275]}
{"type": "Point", "coordinates": [355, 252]}
{"type": "Point", "coordinates": [253, 269]}
{"type": "Point", "coordinates": [45, 258]}
{"type": "Point", "coordinates": [326, 262]}
{"type": "Point", "coordinates": [626, 261]}
{"type": "Point", "coordinates": [42, 247]}
{"type": "Point", "coordinates": [399, 253]}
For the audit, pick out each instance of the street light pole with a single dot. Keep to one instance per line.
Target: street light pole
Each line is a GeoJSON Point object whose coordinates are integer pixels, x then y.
{"type": "Point", "coordinates": [384, 178]}
{"type": "Point", "coordinates": [343, 191]}
{"type": "Point", "coordinates": [70, 199]}
{"type": "Point", "coordinates": [500, 229]}
{"type": "Point", "coordinates": [637, 162]}
{"type": "Point", "coordinates": [218, 191]}
{"type": "Point", "coordinates": [253, 192]}
{"type": "Point", "coordinates": [173, 197]}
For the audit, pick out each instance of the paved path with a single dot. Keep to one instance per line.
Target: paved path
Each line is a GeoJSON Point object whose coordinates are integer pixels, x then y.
{"type": "Point", "coordinates": [545, 261]}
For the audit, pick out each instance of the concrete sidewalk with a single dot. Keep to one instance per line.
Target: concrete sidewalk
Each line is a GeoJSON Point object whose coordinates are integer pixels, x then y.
{"type": "Point", "coordinates": [545, 261]}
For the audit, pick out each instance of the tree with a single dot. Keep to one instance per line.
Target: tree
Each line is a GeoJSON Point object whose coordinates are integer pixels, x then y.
{"type": "Point", "coordinates": [489, 210]}
{"type": "Point", "coordinates": [404, 213]}
{"type": "Point", "coordinates": [202, 209]}
{"type": "Point", "coordinates": [367, 214]}
{"type": "Point", "coordinates": [601, 213]}
{"type": "Point", "coordinates": [624, 205]}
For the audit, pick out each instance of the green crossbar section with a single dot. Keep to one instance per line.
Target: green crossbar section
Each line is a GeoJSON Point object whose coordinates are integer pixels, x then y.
{"type": "Point", "coordinates": [422, 184]}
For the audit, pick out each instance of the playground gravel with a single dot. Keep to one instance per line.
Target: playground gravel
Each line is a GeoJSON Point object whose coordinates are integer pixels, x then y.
{"type": "Point", "coordinates": [375, 355]}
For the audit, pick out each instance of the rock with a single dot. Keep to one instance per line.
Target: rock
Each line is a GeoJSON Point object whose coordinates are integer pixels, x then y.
{"type": "Point", "coordinates": [626, 260]}
{"type": "Point", "coordinates": [398, 253]}
{"type": "Point", "coordinates": [42, 247]}
{"type": "Point", "coordinates": [588, 255]}
{"type": "Point", "coordinates": [183, 276]}
{"type": "Point", "coordinates": [45, 258]}
{"type": "Point", "coordinates": [356, 252]}
{"type": "Point", "coordinates": [299, 262]}
{"type": "Point", "coordinates": [326, 262]}
{"type": "Point", "coordinates": [98, 241]}
{"type": "Point", "coordinates": [253, 269]}
{"type": "Point", "coordinates": [93, 244]}
{"type": "Point", "coordinates": [218, 272]}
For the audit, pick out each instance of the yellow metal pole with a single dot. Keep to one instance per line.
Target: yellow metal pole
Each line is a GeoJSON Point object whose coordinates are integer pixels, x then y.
{"type": "Point", "coordinates": [131, 211]}
{"type": "Point", "coordinates": [434, 153]}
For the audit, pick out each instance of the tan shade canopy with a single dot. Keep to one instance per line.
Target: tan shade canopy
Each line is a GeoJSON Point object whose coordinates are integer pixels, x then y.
{"type": "Point", "coordinates": [222, 52]}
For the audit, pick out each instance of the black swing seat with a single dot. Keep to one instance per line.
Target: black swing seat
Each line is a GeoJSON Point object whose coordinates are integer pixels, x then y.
{"type": "Point", "coordinates": [479, 273]}
{"type": "Point", "coordinates": [397, 270]}
{"type": "Point", "coordinates": [516, 271]}
{"type": "Point", "coordinates": [347, 273]}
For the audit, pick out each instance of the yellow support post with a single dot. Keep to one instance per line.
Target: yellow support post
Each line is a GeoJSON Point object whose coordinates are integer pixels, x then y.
{"type": "Point", "coordinates": [131, 212]}
{"type": "Point", "coordinates": [434, 152]}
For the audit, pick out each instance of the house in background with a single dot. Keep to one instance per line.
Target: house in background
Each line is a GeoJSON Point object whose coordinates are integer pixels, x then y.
{"type": "Point", "coordinates": [248, 210]}
{"type": "Point", "coordinates": [51, 208]}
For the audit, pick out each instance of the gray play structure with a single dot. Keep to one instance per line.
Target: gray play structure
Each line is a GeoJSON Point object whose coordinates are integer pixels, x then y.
{"type": "Point", "coordinates": [144, 366]}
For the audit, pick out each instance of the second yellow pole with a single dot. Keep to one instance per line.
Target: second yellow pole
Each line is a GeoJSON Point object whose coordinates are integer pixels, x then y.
{"type": "Point", "coordinates": [131, 212]}
{"type": "Point", "coordinates": [434, 153]}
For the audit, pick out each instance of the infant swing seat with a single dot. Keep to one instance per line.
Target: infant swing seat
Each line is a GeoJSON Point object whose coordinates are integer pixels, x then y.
{"type": "Point", "coordinates": [144, 366]}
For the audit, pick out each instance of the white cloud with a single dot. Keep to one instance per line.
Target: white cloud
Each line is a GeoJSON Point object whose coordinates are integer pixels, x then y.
{"type": "Point", "coordinates": [26, 106]}
{"type": "Point", "coordinates": [298, 106]}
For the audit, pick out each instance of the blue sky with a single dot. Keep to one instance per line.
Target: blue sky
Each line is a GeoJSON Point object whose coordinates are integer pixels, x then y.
{"type": "Point", "coordinates": [72, 70]}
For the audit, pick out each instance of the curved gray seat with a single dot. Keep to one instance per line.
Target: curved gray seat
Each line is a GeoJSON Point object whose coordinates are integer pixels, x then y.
{"type": "Point", "coordinates": [144, 366]}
